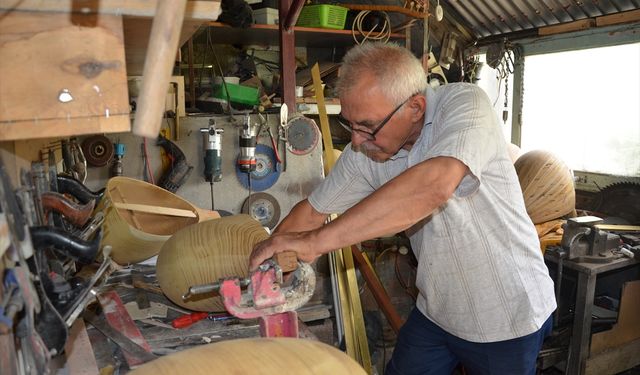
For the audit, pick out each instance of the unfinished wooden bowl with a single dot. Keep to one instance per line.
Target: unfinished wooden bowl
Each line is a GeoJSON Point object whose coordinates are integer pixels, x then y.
{"type": "Point", "coordinates": [260, 356]}
{"type": "Point", "coordinates": [547, 185]}
{"type": "Point", "coordinates": [204, 253]}
{"type": "Point", "coordinates": [136, 235]}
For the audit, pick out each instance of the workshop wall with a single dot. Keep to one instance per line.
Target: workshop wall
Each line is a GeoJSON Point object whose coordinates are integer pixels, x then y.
{"type": "Point", "coordinates": [303, 172]}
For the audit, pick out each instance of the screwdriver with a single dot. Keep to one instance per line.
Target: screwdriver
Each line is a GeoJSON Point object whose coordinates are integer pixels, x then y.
{"type": "Point", "coordinates": [189, 319]}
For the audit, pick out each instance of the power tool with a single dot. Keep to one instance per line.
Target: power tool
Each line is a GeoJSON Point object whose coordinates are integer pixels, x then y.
{"type": "Point", "coordinates": [212, 140]}
{"type": "Point", "coordinates": [247, 158]}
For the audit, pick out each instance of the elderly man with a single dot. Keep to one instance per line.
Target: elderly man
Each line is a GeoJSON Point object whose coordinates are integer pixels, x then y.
{"type": "Point", "coordinates": [433, 163]}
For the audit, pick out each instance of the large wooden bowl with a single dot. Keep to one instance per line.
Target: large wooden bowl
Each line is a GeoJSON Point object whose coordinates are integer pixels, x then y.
{"type": "Point", "coordinates": [135, 235]}
{"type": "Point", "coordinates": [547, 186]}
{"type": "Point", "coordinates": [204, 253]}
{"type": "Point", "coordinates": [260, 356]}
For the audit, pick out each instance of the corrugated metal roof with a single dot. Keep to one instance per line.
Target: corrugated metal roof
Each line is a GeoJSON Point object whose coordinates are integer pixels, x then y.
{"type": "Point", "coordinates": [495, 17]}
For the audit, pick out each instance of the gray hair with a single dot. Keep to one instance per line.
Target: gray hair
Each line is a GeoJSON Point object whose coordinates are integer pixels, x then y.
{"type": "Point", "coordinates": [398, 71]}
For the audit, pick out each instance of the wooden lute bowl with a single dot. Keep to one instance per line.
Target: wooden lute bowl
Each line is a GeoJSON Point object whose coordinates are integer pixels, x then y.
{"type": "Point", "coordinates": [260, 356]}
{"type": "Point", "coordinates": [204, 253]}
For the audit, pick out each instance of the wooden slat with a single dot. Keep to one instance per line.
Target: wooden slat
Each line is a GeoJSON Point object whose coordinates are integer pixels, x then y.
{"type": "Point", "coordinates": [622, 17]}
{"type": "Point", "coordinates": [159, 210]}
{"type": "Point", "coordinates": [567, 27]}
{"type": "Point", "coordinates": [78, 351]}
{"type": "Point", "coordinates": [200, 10]}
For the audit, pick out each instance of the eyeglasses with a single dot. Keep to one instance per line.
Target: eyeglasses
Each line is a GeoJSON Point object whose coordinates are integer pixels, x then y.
{"type": "Point", "coordinates": [370, 135]}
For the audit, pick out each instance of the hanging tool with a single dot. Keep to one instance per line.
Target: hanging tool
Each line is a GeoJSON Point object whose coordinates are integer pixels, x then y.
{"type": "Point", "coordinates": [118, 154]}
{"type": "Point", "coordinates": [275, 149]}
{"type": "Point", "coordinates": [302, 135]}
{"type": "Point", "coordinates": [247, 159]}
{"type": "Point", "coordinates": [179, 169]}
{"type": "Point", "coordinates": [267, 297]}
{"type": "Point", "coordinates": [212, 141]}
{"type": "Point", "coordinates": [98, 150]}
{"type": "Point", "coordinates": [282, 134]}
{"type": "Point", "coordinates": [265, 174]}
{"type": "Point", "coordinates": [264, 208]}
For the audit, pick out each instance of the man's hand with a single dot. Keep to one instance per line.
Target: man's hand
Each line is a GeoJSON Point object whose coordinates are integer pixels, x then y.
{"type": "Point", "coordinates": [301, 243]}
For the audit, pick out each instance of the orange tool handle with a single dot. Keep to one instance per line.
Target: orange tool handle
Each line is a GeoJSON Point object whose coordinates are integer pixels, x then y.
{"type": "Point", "coordinates": [188, 319]}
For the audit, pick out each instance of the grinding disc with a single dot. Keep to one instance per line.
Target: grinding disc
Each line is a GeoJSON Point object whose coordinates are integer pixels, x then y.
{"type": "Point", "coordinates": [265, 175]}
{"type": "Point", "coordinates": [302, 135]}
{"type": "Point", "coordinates": [97, 150]}
{"type": "Point", "coordinates": [264, 208]}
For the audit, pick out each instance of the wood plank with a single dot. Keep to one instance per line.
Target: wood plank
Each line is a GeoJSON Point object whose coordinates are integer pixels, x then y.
{"type": "Point", "coordinates": [614, 361]}
{"type": "Point", "coordinates": [622, 17]}
{"type": "Point", "coordinates": [159, 210]}
{"type": "Point", "coordinates": [59, 127]}
{"type": "Point", "coordinates": [43, 56]}
{"type": "Point", "coordinates": [619, 228]}
{"type": "Point", "coordinates": [627, 328]}
{"type": "Point", "coordinates": [200, 10]}
{"type": "Point", "coordinates": [78, 350]}
{"type": "Point", "coordinates": [567, 27]}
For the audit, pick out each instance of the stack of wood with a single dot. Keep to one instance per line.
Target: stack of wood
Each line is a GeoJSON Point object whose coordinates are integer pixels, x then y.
{"type": "Point", "coordinates": [548, 191]}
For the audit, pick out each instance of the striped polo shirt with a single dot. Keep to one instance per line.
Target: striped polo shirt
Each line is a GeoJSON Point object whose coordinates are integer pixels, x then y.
{"type": "Point", "coordinates": [481, 274]}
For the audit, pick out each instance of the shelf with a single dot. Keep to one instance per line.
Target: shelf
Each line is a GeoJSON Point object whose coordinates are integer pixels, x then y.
{"type": "Point", "coordinates": [268, 34]}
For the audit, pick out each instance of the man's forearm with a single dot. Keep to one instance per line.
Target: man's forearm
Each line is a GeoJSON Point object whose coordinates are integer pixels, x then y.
{"type": "Point", "coordinates": [302, 218]}
{"type": "Point", "coordinates": [396, 206]}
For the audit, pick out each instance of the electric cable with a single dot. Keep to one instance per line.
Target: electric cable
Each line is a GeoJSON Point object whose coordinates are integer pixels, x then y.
{"type": "Point", "coordinates": [382, 35]}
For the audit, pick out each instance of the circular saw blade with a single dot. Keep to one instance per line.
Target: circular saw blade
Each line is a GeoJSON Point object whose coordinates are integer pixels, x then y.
{"type": "Point", "coordinates": [265, 175]}
{"type": "Point", "coordinates": [302, 135]}
{"type": "Point", "coordinates": [264, 208]}
{"type": "Point", "coordinates": [97, 150]}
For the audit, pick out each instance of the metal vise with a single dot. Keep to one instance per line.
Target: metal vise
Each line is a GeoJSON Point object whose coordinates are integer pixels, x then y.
{"type": "Point", "coordinates": [583, 238]}
{"type": "Point", "coordinates": [267, 297]}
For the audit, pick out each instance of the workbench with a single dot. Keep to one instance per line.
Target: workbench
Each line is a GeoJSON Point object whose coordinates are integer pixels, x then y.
{"type": "Point", "coordinates": [586, 286]}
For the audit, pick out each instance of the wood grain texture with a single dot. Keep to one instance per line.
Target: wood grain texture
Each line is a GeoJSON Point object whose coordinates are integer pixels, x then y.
{"type": "Point", "coordinates": [43, 54]}
{"type": "Point", "coordinates": [136, 236]}
{"type": "Point", "coordinates": [627, 329]}
{"type": "Point", "coordinates": [260, 356]}
{"type": "Point", "coordinates": [547, 186]}
{"type": "Point", "coordinates": [204, 253]}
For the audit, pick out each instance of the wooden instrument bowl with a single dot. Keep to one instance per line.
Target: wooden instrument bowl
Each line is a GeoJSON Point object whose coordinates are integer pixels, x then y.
{"type": "Point", "coordinates": [133, 235]}
{"type": "Point", "coordinates": [547, 186]}
{"type": "Point", "coordinates": [204, 253]}
{"type": "Point", "coordinates": [260, 356]}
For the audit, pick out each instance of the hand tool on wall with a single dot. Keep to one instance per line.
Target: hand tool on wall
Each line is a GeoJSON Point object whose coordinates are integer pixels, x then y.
{"type": "Point", "coordinates": [73, 212]}
{"type": "Point", "coordinates": [212, 141]}
{"type": "Point", "coordinates": [267, 297]}
{"type": "Point", "coordinates": [282, 134]}
{"type": "Point", "coordinates": [65, 243]}
{"type": "Point", "coordinates": [71, 186]}
{"type": "Point", "coordinates": [179, 170]}
{"type": "Point", "coordinates": [247, 140]}
{"type": "Point", "coordinates": [118, 155]}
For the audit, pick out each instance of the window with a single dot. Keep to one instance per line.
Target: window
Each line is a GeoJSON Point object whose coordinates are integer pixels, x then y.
{"type": "Point", "coordinates": [584, 106]}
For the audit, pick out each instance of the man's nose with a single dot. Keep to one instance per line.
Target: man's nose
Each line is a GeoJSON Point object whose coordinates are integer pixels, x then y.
{"type": "Point", "coordinates": [357, 139]}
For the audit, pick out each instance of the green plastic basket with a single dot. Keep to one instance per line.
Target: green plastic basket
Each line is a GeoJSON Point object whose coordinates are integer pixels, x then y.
{"type": "Point", "coordinates": [237, 93]}
{"type": "Point", "coordinates": [324, 16]}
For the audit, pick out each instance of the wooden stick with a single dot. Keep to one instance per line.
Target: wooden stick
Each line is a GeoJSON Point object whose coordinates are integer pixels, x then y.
{"type": "Point", "coordinates": [378, 291]}
{"type": "Point", "coordinates": [158, 210]}
{"type": "Point", "coordinates": [163, 44]}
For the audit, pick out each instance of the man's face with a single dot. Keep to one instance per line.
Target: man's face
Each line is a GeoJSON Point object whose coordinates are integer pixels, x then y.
{"type": "Point", "coordinates": [379, 128]}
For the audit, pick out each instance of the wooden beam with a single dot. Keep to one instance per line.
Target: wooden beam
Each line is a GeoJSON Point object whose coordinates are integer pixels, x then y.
{"type": "Point", "coordinates": [151, 209]}
{"type": "Point", "coordinates": [201, 10]}
{"type": "Point", "coordinates": [386, 8]}
{"type": "Point", "coordinates": [567, 27]}
{"type": "Point", "coordinates": [622, 17]}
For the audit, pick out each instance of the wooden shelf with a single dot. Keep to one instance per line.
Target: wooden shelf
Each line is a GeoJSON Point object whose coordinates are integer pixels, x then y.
{"type": "Point", "coordinates": [268, 34]}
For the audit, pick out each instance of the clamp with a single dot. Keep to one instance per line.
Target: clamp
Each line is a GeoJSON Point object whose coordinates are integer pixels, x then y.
{"type": "Point", "coordinates": [267, 297]}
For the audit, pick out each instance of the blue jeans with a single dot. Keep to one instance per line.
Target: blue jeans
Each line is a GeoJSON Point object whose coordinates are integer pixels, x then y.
{"type": "Point", "coordinates": [424, 348]}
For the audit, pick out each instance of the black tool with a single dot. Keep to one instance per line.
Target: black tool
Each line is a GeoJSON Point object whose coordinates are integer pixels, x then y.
{"type": "Point", "coordinates": [178, 171]}
{"type": "Point", "coordinates": [71, 186]}
{"type": "Point", "coordinates": [212, 141]}
{"type": "Point", "coordinates": [68, 245]}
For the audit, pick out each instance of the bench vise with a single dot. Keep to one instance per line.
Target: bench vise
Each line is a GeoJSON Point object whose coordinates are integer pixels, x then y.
{"type": "Point", "coordinates": [269, 296]}
{"type": "Point", "coordinates": [583, 239]}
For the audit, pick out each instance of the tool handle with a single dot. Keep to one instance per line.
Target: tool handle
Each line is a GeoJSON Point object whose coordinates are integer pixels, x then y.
{"type": "Point", "coordinates": [288, 260]}
{"type": "Point", "coordinates": [188, 319]}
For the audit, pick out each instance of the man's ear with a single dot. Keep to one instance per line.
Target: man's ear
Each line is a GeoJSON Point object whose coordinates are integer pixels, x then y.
{"type": "Point", "coordinates": [418, 106]}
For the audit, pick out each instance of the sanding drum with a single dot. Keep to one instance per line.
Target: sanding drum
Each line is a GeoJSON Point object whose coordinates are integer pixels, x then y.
{"type": "Point", "coordinates": [136, 235]}
{"type": "Point", "coordinates": [204, 253]}
{"type": "Point", "coordinates": [547, 186]}
{"type": "Point", "coordinates": [261, 356]}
